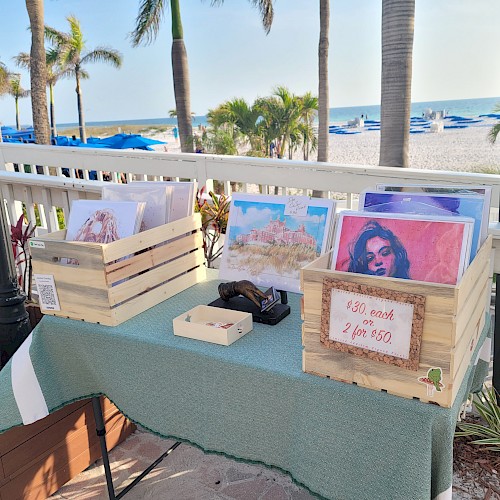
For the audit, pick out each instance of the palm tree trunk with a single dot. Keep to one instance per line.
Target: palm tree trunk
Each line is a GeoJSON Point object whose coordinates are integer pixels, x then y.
{"type": "Point", "coordinates": [38, 72]}
{"type": "Point", "coordinates": [18, 126]}
{"type": "Point", "coordinates": [180, 73]}
{"type": "Point", "coordinates": [52, 112]}
{"type": "Point", "coordinates": [81, 121]}
{"type": "Point", "coordinates": [323, 86]}
{"type": "Point", "coordinates": [398, 19]}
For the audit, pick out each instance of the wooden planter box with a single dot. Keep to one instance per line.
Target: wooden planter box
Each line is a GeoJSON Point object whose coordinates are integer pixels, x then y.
{"type": "Point", "coordinates": [113, 282]}
{"type": "Point", "coordinates": [37, 459]}
{"type": "Point", "coordinates": [454, 319]}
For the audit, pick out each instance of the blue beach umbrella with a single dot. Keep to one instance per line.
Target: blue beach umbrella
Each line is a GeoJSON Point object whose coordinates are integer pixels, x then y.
{"type": "Point", "coordinates": [128, 141]}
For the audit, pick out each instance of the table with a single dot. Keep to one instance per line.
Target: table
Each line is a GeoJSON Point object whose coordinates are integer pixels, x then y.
{"type": "Point", "coordinates": [250, 400]}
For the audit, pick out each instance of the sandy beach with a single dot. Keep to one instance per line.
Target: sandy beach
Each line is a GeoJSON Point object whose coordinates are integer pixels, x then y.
{"type": "Point", "coordinates": [466, 150]}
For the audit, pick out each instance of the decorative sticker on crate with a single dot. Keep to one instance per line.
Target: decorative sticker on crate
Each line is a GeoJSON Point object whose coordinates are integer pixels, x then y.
{"type": "Point", "coordinates": [433, 381]}
{"type": "Point", "coordinates": [376, 323]}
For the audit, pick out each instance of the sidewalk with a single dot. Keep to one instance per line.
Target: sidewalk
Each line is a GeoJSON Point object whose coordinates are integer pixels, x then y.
{"type": "Point", "coordinates": [186, 474]}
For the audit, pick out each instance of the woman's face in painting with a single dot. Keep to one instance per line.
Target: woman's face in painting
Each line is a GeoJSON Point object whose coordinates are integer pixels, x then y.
{"type": "Point", "coordinates": [380, 257]}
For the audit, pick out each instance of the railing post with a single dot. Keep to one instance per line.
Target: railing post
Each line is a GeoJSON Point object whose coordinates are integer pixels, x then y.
{"type": "Point", "coordinates": [496, 337]}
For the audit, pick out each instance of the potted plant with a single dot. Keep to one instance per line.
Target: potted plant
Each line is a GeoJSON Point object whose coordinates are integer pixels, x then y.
{"type": "Point", "coordinates": [19, 237]}
{"type": "Point", "coordinates": [214, 215]}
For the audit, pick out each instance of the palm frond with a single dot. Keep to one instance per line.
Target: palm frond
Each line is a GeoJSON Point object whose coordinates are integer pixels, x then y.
{"type": "Point", "coordinates": [493, 133]}
{"type": "Point", "coordinates": [148, 21]}
{"type": "Point", "coordinates": [103, 54]}
{"type": "Point", "coordinates": [56, 37]}
{"type": "Point", "coordinates": [22, 60]}
{"type": "Point", "coordinates": [266, 10]}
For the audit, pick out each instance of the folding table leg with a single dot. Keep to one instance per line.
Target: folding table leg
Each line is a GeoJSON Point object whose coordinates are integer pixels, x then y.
{"type": "Point", "coordinates": [101, 432]}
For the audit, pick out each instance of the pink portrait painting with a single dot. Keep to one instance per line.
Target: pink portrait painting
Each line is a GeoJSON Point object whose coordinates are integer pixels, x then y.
{"type": "Point", "coordinates": [420, 250]}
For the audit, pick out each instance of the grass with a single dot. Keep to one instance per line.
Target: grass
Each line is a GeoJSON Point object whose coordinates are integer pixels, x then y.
{"type": "Point", "coordinates": [487, 169]}
{"type": "Point", "coordinates": [283, 258]}
{"type": "Point", "coordinates": [112, 130]}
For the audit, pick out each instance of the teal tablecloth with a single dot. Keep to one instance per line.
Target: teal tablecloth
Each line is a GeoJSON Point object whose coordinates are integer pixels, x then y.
{"type": "Point", "coordinates": [250, 400]}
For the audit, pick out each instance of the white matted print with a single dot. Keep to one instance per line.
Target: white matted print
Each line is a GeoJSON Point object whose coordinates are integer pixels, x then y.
{"type": "Point", "coordinates": [104, 221]}
{"type": "Point", "coordinates": [268, 239]}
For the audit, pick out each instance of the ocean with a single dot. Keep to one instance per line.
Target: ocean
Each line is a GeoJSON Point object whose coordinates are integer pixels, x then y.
{"type": "Point", "coordinates": [461, 107]}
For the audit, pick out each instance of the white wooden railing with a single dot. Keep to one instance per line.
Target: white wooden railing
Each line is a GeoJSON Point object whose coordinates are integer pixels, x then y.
{"type": "Point", "coordinates": [50, 189]}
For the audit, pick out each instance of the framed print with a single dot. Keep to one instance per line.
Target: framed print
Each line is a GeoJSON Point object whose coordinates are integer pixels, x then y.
{"type": "Point", "coordinates": [460, 189]}
{"type": "Point", "coordinates": [428, 204]}
{"type": "Point", "coordinates": [270, 238]}
{"type": "Point", "coordinates": [424, 248]}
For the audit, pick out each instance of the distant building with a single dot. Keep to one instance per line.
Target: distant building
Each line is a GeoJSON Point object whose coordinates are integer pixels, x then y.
{"type": "Point", "coordinates": [277, 233]}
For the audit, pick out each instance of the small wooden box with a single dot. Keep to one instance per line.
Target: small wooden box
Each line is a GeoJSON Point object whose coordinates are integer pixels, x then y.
{"type": "Point", "coordinates": [193, 324]}
{"type": "Point", "coordinates": [454, 319]}
{"type": "Point", "coordinates": [115, 281]}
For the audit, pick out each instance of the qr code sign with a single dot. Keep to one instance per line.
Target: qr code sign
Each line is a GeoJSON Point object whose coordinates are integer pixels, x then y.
{"type": "Point", "coordinates": [47, 292]}
{"type": "Point", "coordinates": [47, 296]}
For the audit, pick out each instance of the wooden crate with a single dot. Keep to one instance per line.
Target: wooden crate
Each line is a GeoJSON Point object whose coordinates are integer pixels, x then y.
{"type": "Point", "coordinates": [113, 282]}
{"type": "Point", "coordinates": [454, 319]}
{"type": "Point", "coordinates": [37, 459]}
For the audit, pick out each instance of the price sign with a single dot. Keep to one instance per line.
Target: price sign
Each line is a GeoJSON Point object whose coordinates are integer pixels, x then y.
{"type": "Point", "coordinates": [372, 323]}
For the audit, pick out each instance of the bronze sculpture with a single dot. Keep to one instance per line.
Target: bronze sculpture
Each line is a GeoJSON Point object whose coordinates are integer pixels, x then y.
{"type": "Point", "coordinates": [245, 288]}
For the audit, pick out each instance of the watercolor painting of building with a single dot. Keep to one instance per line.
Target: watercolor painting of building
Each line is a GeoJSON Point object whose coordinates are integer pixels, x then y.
{"type": "Point", "coordinates": [268, 242]}
{"type": "Point", "coordinates": [277, 233]}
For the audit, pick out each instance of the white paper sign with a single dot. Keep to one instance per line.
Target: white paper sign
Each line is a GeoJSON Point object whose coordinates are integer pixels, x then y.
{"type": "Point", "coordinates": [296, 206]}
{"type": "Point", "coordinates": [47, 292]}
{"type": "Point", "coordinates": [372, 323]}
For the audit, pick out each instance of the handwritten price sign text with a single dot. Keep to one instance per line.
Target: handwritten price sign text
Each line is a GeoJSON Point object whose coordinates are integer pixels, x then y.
{"type": "Point", "coordinates": [372, 323]}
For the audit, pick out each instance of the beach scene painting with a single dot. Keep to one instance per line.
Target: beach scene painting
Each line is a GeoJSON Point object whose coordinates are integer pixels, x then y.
{"type": "Point", "coordinates": [270, 238]}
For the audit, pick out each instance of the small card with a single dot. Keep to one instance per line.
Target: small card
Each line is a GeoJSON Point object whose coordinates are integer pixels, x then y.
{"type": "Point", "coordinates": [47, 292]}
{"type": "Point", "coordinates": [296, 206]}
{"type": "Point", "coordinates": [272, 298]}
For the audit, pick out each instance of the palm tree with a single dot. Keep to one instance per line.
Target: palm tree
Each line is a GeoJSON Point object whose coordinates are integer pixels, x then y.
{"type": "Point", "coordinates": [309, 109]}
{"type": "Point", "coordinates": [17, 92]}
{"type": "Point", "coordinates": [495, 130]}
{"type": "Point", "coordinates": [4, 84]}
{"type": "Point", "coordinates": [147, 26]}
{"type": "Point", "coordinates": [323, 86]}
{"type": "Point", "coordinates": [38, 73]}
{"type": "Point", "coordinates": [71, 47]}
{"type": "Point", "coordinates": [398, 20]}
{"type": "Point", "coordinates": [54, 73]}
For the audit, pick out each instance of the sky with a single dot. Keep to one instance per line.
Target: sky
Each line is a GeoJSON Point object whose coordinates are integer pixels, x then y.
{"type": "Point", "coordinates": [455, 54]}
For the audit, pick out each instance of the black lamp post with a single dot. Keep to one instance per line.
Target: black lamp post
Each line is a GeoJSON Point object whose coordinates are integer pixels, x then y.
{"type": "Point", "coordinates": [14, 320]}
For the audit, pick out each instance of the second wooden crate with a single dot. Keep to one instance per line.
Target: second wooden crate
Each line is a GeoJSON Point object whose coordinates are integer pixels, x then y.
{"type": "Point", "coordinates": [110, 283]}
{"type": "Point", "coordinates": [454, 319]}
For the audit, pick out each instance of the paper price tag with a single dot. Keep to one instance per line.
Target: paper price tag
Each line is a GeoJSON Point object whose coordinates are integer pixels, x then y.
{"type": "Point", "coordinates": [372, 323]}
{"type": "Point", "coordinates": [47, 292]}
{"type": "Point", "coordinates": [296, 206]}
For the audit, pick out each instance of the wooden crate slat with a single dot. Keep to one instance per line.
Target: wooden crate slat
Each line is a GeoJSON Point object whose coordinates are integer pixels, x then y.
{"type": "Point", "coordinates": [464, 366]}
{"type": "Point", "coordinates": [163, 292]}
{"type": "Point", "coordinates": [134, 287]}
{"type": "Point", "coordinates": [72, 275]}
{"type": "Point", "coordinates": [479, 295]}
{"type": "Point", "coordinates": [128, 267]}
{"type": "Point", "coordinates": [313, 290]}
{"type": "Point", "coordinates": [467, 343]}
{"type": "Point", "coordinates": [480, 263]}
{"type": "Point", "coordinates": [140, 241]}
